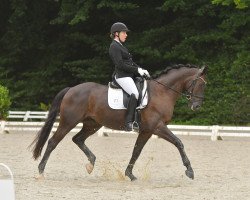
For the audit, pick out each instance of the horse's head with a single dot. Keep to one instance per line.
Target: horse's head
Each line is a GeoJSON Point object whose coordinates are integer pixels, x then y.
{"type": "Point", "coordinates": [195, 89]}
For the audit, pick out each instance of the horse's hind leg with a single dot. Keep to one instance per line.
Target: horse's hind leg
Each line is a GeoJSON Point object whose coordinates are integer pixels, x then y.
{"type": "Point", "coordinates": [52, 143]}
{"type": "Point", "coordinates": [166, 134]}
{"type": "Point", "coordinates": [89, 128]}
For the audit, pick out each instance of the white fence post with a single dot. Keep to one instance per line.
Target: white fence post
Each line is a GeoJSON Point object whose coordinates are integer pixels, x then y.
{"type": "Point", "coordinates": [26, 117]}
{"type": "Point", "coordinates": [215, 133]}
{"type": "Point", "coordinates": [46, 115]}
{"type": "Point", "coordinates": [2, 126]}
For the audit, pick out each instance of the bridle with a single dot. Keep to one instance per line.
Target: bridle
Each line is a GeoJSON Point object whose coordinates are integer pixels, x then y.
{"type": "Point", "coordinates": [189, 91]}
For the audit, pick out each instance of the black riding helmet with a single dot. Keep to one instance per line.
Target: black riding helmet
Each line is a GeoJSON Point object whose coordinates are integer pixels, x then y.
{"type": "Point", "coordinates": [118, 27]}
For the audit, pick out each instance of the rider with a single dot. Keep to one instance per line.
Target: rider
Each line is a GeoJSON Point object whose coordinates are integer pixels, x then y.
{"type": "Point", "coordinates": [125, 70]}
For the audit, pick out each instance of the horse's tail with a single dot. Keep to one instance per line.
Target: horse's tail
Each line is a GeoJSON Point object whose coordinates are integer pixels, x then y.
{"type": "Point", "coordinates": [43, 134]}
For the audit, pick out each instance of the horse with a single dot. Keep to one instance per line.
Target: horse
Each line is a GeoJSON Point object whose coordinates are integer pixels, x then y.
{"type": "Point", "coordinates": [87, 103]}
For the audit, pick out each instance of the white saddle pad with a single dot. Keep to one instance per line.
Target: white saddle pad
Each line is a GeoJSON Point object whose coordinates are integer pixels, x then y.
{"type": "Point", "coordinates": [115, 98]}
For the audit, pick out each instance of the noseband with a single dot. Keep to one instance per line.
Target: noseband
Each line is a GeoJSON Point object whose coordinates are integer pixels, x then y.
{"type": "Point", "coordinates": [190, 89]}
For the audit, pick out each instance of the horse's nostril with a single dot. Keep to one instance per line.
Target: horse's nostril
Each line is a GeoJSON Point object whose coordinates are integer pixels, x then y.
{"type": "Point", "coordinates": [197, 107]}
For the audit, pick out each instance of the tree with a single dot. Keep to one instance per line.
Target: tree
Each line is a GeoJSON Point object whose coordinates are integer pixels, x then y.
{"type": "Point", "coordinates": [240, 4]}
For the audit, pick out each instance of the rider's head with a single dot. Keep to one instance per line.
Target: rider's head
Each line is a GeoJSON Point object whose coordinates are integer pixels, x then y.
{"type": "Point", "coordinates": [119, 31]}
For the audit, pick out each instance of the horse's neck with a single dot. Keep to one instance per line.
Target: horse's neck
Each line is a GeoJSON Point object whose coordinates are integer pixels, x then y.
{"type": "Point", "coordinates": [167, 90]}
{"type": "Point", "coordinates": [176, 80]}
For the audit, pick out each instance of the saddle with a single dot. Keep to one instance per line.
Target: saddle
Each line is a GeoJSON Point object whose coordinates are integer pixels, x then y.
{"type": "Point", "coordinates": [118, 98]}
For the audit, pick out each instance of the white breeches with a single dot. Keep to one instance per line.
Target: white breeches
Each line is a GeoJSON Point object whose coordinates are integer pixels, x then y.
{"type": "Point", "coordinates": [128, 84]}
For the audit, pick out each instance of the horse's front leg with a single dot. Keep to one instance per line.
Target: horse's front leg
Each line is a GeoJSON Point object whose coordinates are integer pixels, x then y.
{"type": "Point", "coordinates": [140, 142]}
{"type": "Point", "coordinates": [166, 134]}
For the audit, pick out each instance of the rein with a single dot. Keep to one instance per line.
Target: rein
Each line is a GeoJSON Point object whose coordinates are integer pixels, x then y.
{"type": "Point", "coordinates": [187, 94]}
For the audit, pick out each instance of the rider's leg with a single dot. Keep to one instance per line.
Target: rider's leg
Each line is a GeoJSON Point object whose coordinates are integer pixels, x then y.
{"type": "Point", "coordinates": [128, 85]}
{"type": "Point", "coordinates": [130, 114]}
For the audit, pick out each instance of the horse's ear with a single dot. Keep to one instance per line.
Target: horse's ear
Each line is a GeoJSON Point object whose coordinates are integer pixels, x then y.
{"type": "Point", "coordinates": [203, 70]}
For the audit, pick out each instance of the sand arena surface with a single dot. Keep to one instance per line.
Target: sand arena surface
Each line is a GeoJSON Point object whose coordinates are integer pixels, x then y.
{"type": "Point", "coordinates": [222, 169]}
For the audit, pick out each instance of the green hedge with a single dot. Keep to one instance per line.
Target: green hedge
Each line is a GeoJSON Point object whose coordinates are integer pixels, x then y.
{"type": "Point", "coordinates": [4, 102]}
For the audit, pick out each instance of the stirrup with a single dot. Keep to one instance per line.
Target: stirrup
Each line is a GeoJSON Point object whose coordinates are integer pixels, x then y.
{"type": "Point", "coordinates": [132, 126]}
{"type": "Point", "coordinates": [128, 127]}
{"type": "Point", "coordinates": [135, 126]}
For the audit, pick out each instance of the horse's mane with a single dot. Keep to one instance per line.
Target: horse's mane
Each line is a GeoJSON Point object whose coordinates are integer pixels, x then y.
{"type": "Point", "coordinates": [168, 68]}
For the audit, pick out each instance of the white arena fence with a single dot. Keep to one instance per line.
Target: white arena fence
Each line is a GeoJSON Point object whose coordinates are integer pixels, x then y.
{"type": "Point", "coordinates": [215, 132]}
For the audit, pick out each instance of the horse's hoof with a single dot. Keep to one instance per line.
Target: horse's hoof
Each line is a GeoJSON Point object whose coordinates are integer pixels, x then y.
{"type": "Point", "coordinates": [190, 173]}
{"type": "Point", "coordinates": [131, 176]}
{"type": "Point", "coordinates": [89, 167]}
{"type": "Point", "coordinates": [40, 177]}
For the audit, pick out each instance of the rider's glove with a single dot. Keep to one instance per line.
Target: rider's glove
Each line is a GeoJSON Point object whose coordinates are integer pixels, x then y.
{"type": "Point", "coordinates": [143, 72]}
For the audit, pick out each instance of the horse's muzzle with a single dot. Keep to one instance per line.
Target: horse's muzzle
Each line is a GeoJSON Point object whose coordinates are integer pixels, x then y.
{"type": "Point", "coordinates": [195, 106]}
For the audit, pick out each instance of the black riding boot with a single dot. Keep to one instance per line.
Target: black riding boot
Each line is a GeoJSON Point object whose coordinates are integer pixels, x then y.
{"type": "Point", "coordinates": [130, 115]}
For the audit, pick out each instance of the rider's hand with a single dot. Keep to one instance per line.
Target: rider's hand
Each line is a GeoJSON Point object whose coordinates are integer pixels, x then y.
{"type": "Point", "coordinates": [143, 72]}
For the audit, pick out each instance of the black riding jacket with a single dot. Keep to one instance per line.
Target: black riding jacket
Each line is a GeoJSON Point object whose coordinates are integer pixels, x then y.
{"type": "Point", "coordinates": [122, 59]}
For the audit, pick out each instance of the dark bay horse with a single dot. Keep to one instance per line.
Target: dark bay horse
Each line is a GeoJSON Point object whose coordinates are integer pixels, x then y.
{"type": "Point", "coordinates": [88, 103]}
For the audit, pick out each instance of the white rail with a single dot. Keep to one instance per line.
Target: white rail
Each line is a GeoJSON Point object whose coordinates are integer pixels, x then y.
{"type": "Point", "coordinates": [215, 132]}
{"type": "Point", "coordinates": [8, 126]}
{"type": "Point", "coordinates": [26, 115]}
